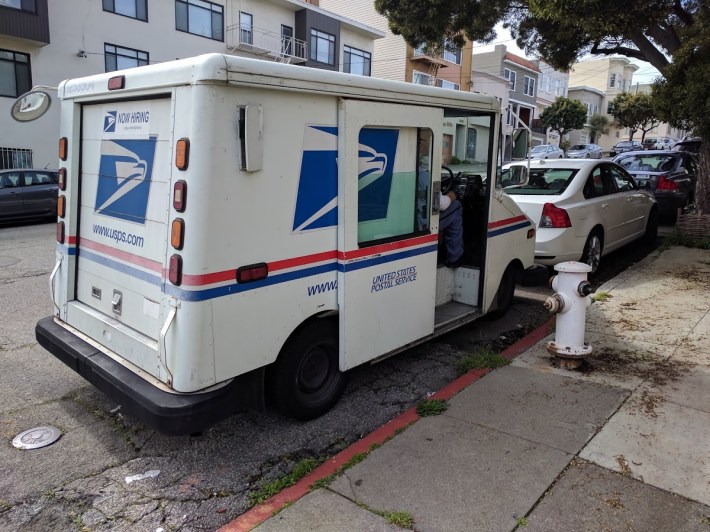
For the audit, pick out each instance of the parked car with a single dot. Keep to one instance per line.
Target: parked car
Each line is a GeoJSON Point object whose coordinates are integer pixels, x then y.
{"type": "Point", "coordinates": [28, 193]}
{"type": "Point", "coordinates": [662, 143]}
{"type": "Point", "coordinates": [583, 209]}
{"type": "Point", "coordinates": [624, 146]}
{"type": "Point", "coordinates": [649, 143]}
{"type": "Point", "coordinates": [585, 151]}
{"type": "Point", "coordinates": [691, 144]}
{"type": "Point", "coordinates": [546, 151]}
{"type": "Point", "coordinates": [669, 175]}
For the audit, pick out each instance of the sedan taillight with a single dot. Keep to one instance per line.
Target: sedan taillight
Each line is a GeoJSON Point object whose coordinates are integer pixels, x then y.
{"type": "Point", "coordinates": [666, 184]}
{"type": "Point", "coordinates": [554, 217]}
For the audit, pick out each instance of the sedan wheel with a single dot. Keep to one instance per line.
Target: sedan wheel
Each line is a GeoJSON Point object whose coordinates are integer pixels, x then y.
{"type": "Point", "coordinates": [592, 254]}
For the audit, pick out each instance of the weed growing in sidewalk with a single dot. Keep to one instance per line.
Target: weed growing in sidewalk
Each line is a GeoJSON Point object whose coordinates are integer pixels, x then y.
{"type": "Point", "coordinates": [301, 469]}
{"type": "Point", "coordinates": [483, 358]}
{"type": "Point", "coordinates": [601, 296]}
{"type": "Point", "coordinates": [400, 519]}
{"type": "Point", "coordinates": [431, 407]}
{"type": "Point", "coordinates": [683, 240]}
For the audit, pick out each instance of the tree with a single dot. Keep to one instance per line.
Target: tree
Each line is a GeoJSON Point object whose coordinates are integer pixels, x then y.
{"type": "Point", "coordinates": [659, 32]}
{"type": "Point", "coordinates": [563, 116]}
{"type": "Point", "coordinates": [598, 126]}
{"type": "Point", "coordinates": [634, 111]}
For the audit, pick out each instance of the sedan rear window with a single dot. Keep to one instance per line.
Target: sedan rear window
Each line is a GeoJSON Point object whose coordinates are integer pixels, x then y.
{"type": "Point", "coordinates": [545, 182]}
{"type": "Point", "coordinates": [648, 163]}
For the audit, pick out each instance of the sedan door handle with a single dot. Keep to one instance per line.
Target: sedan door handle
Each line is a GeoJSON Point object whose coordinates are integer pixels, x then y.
{"type": "Point", "coordinates": [605, 205]}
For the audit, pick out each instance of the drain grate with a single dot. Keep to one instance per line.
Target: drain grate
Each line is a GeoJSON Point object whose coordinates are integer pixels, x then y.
{"type": "Point", "coordinates": [36, 438]}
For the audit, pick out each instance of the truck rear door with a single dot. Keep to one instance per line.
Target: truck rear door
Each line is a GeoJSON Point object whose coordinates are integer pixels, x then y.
{"type": "Point", "coordinates": [124, 207]}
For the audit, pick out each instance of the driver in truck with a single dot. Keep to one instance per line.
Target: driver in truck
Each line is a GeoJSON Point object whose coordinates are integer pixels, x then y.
{"type": "Point", "coordinates": [451, 226]}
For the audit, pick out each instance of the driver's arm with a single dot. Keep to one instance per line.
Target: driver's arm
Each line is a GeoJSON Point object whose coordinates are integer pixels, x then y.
{"type": "Point", "coordinates": [446, 200]}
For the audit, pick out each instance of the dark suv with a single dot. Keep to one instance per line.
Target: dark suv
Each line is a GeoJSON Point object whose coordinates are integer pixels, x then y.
{"type": "Point", "coordinates": [692, 145]}
{"type": "Point", "coordinates": [28, 193]}
{"type": "Point", "coordinates": [624, 146]}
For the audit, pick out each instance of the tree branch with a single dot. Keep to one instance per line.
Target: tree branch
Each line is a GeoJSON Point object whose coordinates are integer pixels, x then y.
{"type": "Point", "coordinates": [650, 53]}
{"type": "Point", "coordinates": [682, 14]}
{"type": "Point", "coordinates": [621, 50]}
{"type": "Point", "coordinates": [666, 37]}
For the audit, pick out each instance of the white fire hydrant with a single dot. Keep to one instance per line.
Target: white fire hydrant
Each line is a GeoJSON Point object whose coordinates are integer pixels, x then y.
{"type": "Point", "coordinates": [570, 302]}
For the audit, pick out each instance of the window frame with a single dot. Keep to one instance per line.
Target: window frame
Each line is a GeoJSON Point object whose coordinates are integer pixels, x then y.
{"type": "Point", "coordinates": [244, 30]}
{"type": "Point", "coordinates": [109, 6]}
{"type": "Point", "coordinates": [454, 86]}
{"type": "Point", "coordinates": [116, 55]}
{"type": "Point", "coordinates": [347, 62]}
{"type": "Point", "coordinates": [511, 76]}
{"type": "Point", "coordinates": [215, 9]}
{"type": "Point", "coordinates": [322, 36]}
{"type": "Point", "coordinates": [529, 86]}
{"type": "Point", "coordinates": [19, 88]}
{"type": "Point", "coordinates": [286, 40]}
{"type": "Point", "coordinates": [22, 8]}
{"type": "Point", "coordinates": [452, 56]}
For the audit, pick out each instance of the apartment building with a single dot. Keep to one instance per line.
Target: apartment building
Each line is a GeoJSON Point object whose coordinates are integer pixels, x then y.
{"type": "Point", "coordinates": [593, 100]}
{"type": "Point", "coordinates": [611, 76]}
{"type": "Point", "coordinates": [552, 84]}
{"type": "Point", "coordinates": [43, 42]}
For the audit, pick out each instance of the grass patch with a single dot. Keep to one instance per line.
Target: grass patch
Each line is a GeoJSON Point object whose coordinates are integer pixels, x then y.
{"type": "Point", "coordinates": [432, 407]}
{"type": "Point", "coordinates": [684, 240]}
{"type": "Point", "coordinates": [601, 296]}
{"type": "Point", "coordinates": [522, 522]}
{"type": "Point", "coordinates": [484, 358]}
{"type": "Point", "coordinates": [400, 519]}
{"type": "Point", "coordinates": [300, 470]}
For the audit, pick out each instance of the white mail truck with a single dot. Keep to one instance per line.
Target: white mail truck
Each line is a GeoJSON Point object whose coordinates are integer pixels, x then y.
{"type": "Point", "coordinates": [234, 233]}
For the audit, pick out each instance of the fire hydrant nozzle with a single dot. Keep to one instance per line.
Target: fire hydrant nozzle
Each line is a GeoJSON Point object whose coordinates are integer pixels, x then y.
{"type": "Point", "coordinates": [570, 302]}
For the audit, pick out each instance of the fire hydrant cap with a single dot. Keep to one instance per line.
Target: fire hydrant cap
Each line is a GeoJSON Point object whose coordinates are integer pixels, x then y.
{"type": "Point", "coordinates": [573, 267]}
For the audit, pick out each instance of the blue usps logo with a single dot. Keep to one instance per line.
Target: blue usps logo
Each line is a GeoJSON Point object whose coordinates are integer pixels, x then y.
{"type": "Point", "coordinates": [110, 122]}
{"type": "Point", "coordinates": [125, 170]}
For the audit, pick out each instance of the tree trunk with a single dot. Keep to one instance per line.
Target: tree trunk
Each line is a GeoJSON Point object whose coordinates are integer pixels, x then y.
{"type": "Point", "coordinates": [702, 185]}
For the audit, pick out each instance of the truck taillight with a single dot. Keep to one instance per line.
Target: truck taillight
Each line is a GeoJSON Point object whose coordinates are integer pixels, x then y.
{"type": "Point", "coordinates": [61, 206]}
{"type": "Point", "coordinates": [116, 82]}
{"type": "Point", "coordinates": [177, 233]}
{"type": "Point", "coordinates": [60, 232]}
{"type": "Point", "coordinates": [175, 270]}
{"type": "Point", "coordinates": [555, 217]}
{"type": "Point", "coordinates": [666, 184]}
{"type": "Point", "coordinates": [182, 153]}
{"type": "Point", "coordinates": [62, 178]}
{"type": "Point", "coordinates": [63, 148]}
{"type": "Point", "coordinates": [179, 195]}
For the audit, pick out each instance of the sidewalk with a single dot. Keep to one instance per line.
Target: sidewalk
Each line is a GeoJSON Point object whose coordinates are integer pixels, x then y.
{"type": "Point", "coordinates": [622, 445]}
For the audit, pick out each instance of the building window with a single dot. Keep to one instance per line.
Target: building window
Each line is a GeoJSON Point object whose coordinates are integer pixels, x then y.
{"type": "Point", "coordinates": [612, 80]}
{"type": "Point", "coordinates": [137, 9]}
{"type": "Point", "coordinates": [322, 47]}
{"type": "Point", "coordinates": [511, 76]}
{"type": "Point", "coordinates": [447, 84]}
{"type": "Point", "coordinates": [15, 75]}
{"type": "Point", "coordinates": [15, 158]}
{"type": "Point", "coordinates": [246, 28]}
{"type": "Point", "coordinates": [356, 61]}
{"type": "Point", "coordinates": [419, 78]}
{"type": "Point", "coordinates": [286, 40]}
{"type": "Point", "coordinates": [547, 83]}
{"type": "Point", "coordinates": [452, 53]}
{"type": "Point", "coordinates": [608, 108]}
{"type": "Point", "coordinates": [200, 18]}
{"type": "Point", "coordinates": [118, 57]}
{"type": "Point", "coordinates": [529, 86]}
{"type": "Point", "coordinates": [559, 88]}
{"type": "Point", "coordinates": [22, 5]}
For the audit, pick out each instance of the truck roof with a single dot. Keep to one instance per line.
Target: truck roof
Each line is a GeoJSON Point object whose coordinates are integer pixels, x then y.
{"type": "Point", "coordinates": [227, 69]}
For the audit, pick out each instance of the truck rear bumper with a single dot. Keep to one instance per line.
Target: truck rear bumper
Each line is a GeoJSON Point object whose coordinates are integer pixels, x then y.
{"type": "Point", "coordinates": [169, 413]}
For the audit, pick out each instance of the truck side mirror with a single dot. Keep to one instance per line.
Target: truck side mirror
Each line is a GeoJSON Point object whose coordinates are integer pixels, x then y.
{"type": "Point", "coordinates": [30, 106]}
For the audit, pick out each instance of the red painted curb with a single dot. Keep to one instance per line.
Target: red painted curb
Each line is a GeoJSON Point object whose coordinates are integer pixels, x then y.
{"type": "Point", "coordinates": [261, 512]}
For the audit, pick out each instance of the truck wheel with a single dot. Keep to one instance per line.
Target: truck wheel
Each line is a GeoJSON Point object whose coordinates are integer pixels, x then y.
{"type": "Point", "coordinates": [305, 382]}
{"type": "Point", "coordinates": [592, 253]}
{"type": "Point", "coordinates": [504, 295]}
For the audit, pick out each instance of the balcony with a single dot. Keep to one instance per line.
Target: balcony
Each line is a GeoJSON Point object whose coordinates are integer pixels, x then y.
{"type": "Point", "coordinates": [262, 42]}
{"type": "Point", "coordinates": [425, 56]}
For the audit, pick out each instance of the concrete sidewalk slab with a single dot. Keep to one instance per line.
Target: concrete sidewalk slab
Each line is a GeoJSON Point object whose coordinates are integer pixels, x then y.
{"type": "Point", "coordinates": [658, 442]}
{"type": "Point", "coordinates": [589, 497]}
{"type": "Point", "coordinates": [553, 410]}
{"type": "Point", "coordinates": [452, 475]}
{"type": "Point", "coordinates": [326, 511]}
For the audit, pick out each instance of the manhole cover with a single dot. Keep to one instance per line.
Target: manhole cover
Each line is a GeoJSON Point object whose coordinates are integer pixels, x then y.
{"type": "Point", "coordinates": [36, 438]}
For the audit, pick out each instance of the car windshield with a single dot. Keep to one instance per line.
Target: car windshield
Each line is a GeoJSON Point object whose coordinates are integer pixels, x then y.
{"type": "Point", "coordinates": [545, 182]}
{"type": "Point", "coordinates": [538, 149]}
{"type": "Point", "coordinates": [648, 163]}
{"type": "Point", "coordinates": [578, 147]}
{"type": "Point", "coordinates": [623, 144]}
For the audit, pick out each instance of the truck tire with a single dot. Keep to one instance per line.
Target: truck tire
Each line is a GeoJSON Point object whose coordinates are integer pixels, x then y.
{"type": "Point", "coordinates": [305, 381]}
{"type": "Point", "coordinates": [504, 294]}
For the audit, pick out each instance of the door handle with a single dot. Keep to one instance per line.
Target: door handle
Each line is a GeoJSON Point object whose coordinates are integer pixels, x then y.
{"type": "Point", "coordinates": [605, 205]}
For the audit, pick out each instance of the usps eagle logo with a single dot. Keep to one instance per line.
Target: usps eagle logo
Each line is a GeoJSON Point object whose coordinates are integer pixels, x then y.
{"type": "Point", "coordinates": [125, 171]}
{"type": "Point", "coordinates": [317, 199]}
{"type": "Point", "coordinates": [110, 122]}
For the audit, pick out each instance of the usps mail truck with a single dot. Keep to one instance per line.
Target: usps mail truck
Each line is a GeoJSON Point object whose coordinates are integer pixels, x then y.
{"type": "Point", "coordinates": [234, 233]}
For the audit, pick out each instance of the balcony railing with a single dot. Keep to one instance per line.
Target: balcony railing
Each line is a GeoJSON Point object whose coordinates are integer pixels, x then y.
{"type": "Point", "coordinates": [264, 42]}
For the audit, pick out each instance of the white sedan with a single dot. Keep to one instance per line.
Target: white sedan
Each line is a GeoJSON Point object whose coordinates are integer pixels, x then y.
{"type": "Point", "coordinates": [583, 208]}
{"type": "Point", "coordinates": [546, 151]}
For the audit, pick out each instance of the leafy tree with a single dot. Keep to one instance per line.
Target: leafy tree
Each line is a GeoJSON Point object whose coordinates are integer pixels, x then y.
{"type": "Point", "coordinates": [563, 116]}
{"type": "Point", "coordinates": [635, 111]}
{"type": "Point", "coordinates": [598, 126]}
{"type": "Point", "coordinates": [660, 32]}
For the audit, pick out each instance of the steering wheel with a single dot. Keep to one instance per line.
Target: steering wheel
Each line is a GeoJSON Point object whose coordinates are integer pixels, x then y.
{"type": "Point", "coordinates": [447, 183]}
